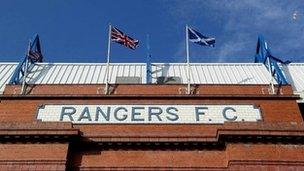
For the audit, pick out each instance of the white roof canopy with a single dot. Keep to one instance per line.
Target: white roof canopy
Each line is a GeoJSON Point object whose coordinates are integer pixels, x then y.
{"type": "Point", "coordinates": [201, 73]}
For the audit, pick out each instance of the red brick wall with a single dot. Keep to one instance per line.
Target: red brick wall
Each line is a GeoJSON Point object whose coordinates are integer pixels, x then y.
{"type": "Point", "coordinates": [33, 156]}
{"type": "Point", "coordinates": [149, 89]}
{"type": "Point", "coordinates": [235, 156]}
{"type": "Point", "coordinates": [281, 117]}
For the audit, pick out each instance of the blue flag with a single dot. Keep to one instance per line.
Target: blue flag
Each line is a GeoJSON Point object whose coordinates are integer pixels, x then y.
{"type": "Point", "coordinates": [35, 54]}
{"type": "Point", "coordinates": [198, 38]}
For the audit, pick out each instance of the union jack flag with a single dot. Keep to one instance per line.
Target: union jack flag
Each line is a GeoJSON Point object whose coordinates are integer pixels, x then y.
{"type": "Point", "coordinates": [121, 38]}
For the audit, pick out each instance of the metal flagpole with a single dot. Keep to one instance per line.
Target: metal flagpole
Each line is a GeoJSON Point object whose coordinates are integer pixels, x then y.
{"type": "Point", "coordinates": [188, 61]}
{"type": "Point", "coordinates": [271, 86]}
{"type": "Point", "coordinates": [148, 61]}
{"type": "Point", "coordinates": [271, 78]}
{"type": "Point", "coordinates": [108, 61]}
{"type": "Point", "coordinates": [26, 67]}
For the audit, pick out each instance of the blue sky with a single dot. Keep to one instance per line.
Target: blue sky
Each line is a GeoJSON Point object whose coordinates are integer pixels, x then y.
{"type": "Point", "coordinates": [76, 30]}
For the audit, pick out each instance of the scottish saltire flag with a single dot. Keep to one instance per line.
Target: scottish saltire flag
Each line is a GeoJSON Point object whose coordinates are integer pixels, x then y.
{"type": "Point", "coordinates": [198, 38]}
{"type": "Point", "coordinates": [121, 38]}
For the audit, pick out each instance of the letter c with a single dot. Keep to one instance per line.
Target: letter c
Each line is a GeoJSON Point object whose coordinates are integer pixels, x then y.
{"type": "Point", "coordinates": [225, 114]}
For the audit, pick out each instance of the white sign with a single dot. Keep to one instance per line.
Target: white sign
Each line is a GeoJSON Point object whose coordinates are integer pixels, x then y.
{"type": "Point", "coordinates": [149, 114]}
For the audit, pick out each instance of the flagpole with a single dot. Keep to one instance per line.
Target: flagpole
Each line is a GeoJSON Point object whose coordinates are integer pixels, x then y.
{"type": "Point", "coordinates": [188, 61]}
{"type": "Point", "coordinates": [148, 62]}
{"type": "Point", "coordinates": [108, 61]}
{"type": "Point", "coordinates": [271, 78]}
{"type": "Point", "coordinates": [25, 70]}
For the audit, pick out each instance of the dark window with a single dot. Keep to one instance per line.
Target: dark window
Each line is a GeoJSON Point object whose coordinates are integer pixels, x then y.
{"type": "Point", "coordinates": [169, 80]}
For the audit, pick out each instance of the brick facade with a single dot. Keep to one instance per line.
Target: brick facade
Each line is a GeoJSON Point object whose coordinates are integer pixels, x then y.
{"type": "Point", "coordinates": [276, 142]}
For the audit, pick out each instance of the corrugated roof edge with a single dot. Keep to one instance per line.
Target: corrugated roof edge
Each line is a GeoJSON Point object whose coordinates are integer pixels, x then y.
{"type": "Point", "coordinates": [302, 64]}
{"type": "Point", "coordinates": [63, 63]}
{"type": "Point", "coordinates": [212, 63]}
{"type": "Point", "coordinates": [44, 63]}
{"type": "Point", "coordinates": [9, 63]}
{"type": "Point", "coordinates": [208, 64]}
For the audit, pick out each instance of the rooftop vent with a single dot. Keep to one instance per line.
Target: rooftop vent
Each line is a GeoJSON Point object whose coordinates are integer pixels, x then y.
{"type": "Point", "coordinates": [128, 80]}
{"type": "Point", "coordinates": [169, 80]}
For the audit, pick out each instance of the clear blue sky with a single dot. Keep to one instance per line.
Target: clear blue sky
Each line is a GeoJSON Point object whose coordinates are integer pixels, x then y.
{"type": "Point", "coordinates": [76, 30]}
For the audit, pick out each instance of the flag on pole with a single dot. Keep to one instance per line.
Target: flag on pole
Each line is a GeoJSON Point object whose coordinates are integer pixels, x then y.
{"type": "Point", "coordinates": [123, 39]}
{"type": "Point", "coordinates": [34, 53]}
{"type": "Point", "coordinates": [264, 55]}
{"type": "Point", "coordinates": [195, 37]}
{"type": "Point", "coordinates": [115, 35]}
{"type": "Point", "coordinates": [198, 38]}
{"type": "Point", "coordinates": [281, 61]}
{"type": "Point", "coordinates": [35, 56]}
